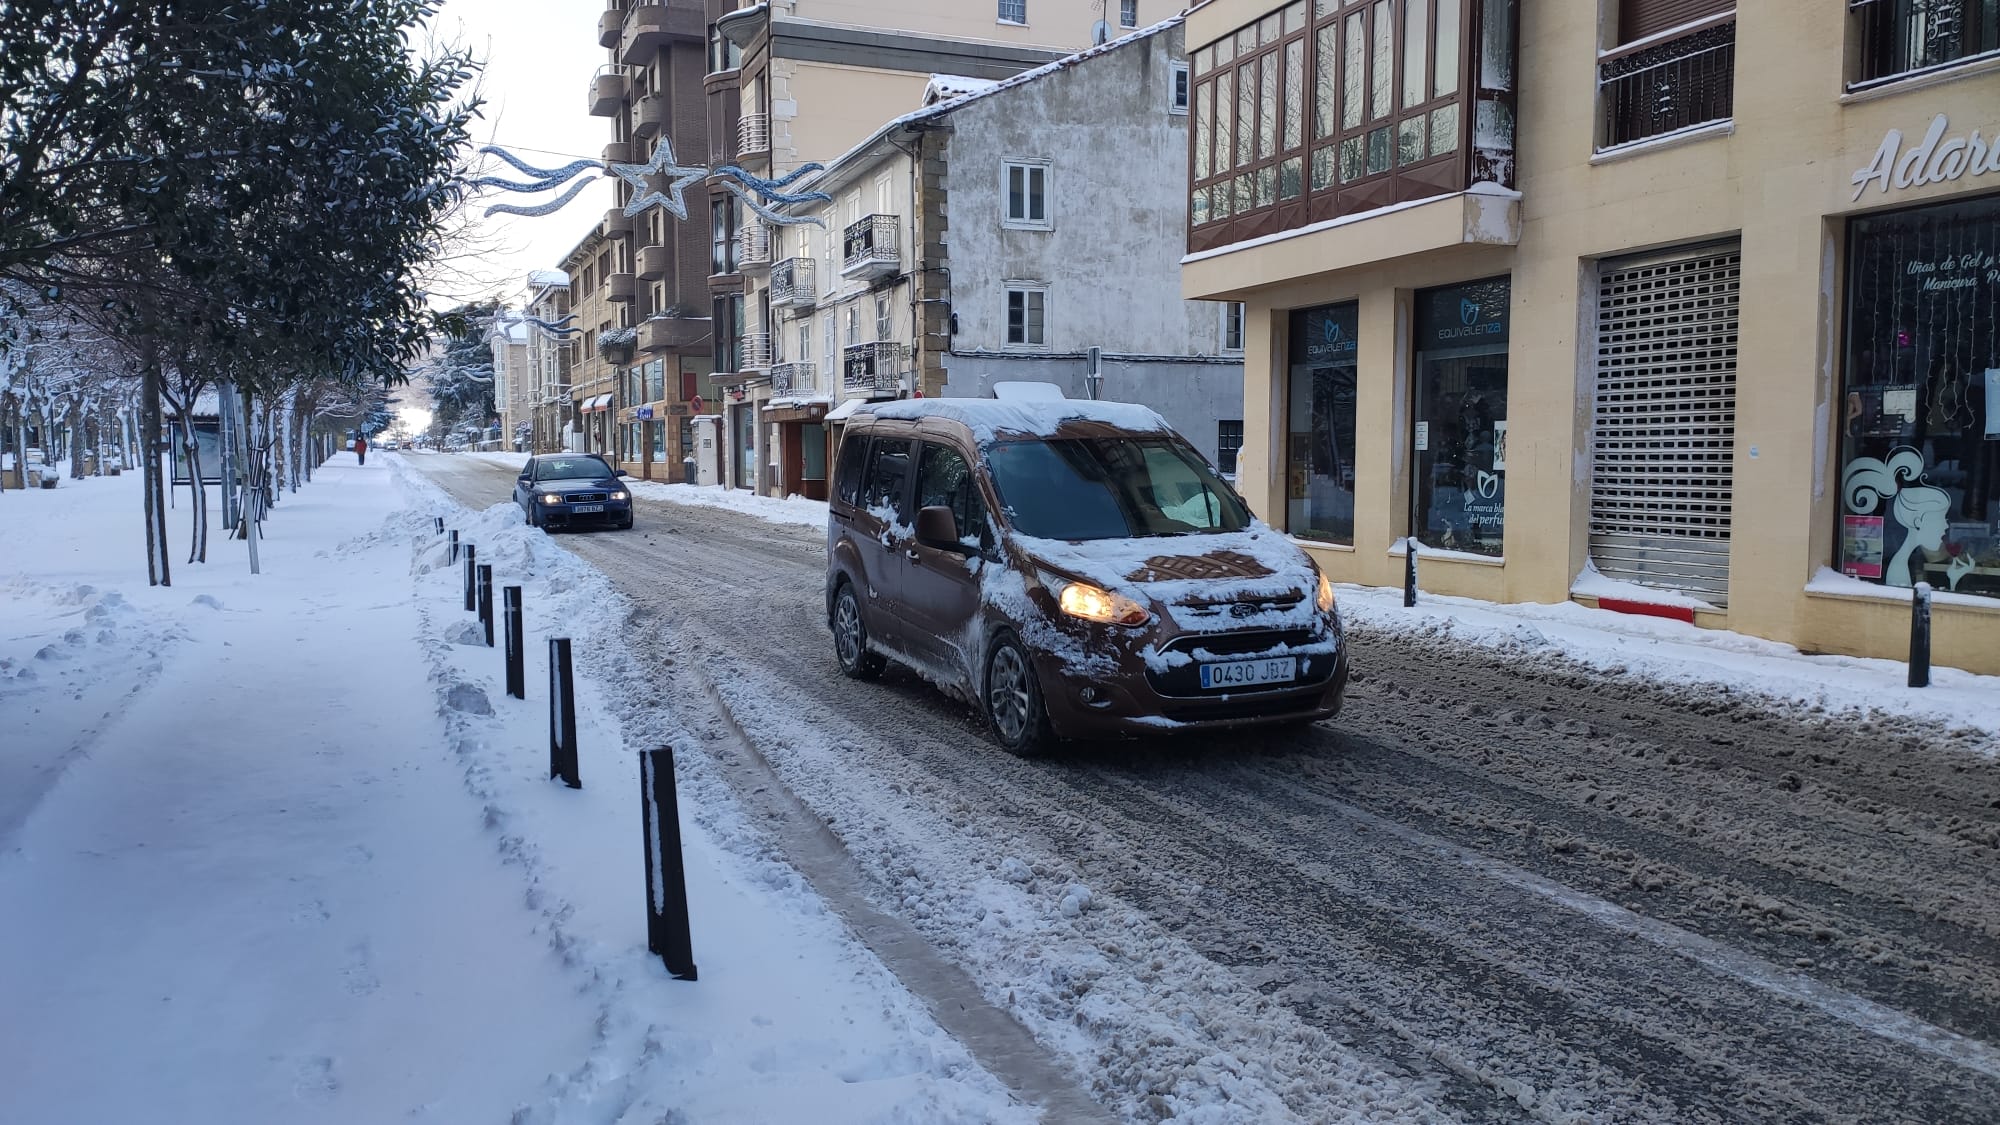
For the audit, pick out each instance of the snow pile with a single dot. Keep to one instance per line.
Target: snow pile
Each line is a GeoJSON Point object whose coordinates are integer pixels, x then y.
{"type": "Point", "coordinates": [1594, 583]}
{"type": "Point", "coordinates": [1681, 655]}
{"type": "Point", "coordinates": [282, 849]}
{"type": "Point", "coordinates": [988, 418]}
{"type": "Point", "coordinates": [792, 509]}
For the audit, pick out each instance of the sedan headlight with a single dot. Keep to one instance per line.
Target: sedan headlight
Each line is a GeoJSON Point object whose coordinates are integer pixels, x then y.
{"type": "Point", "coordinates": [1325, 599]}
{"type": "Point", "coordinates": [621, 494]}
{"type": "Point", "coordinates": [551, 498]}
{"type": "Point", "coordinates": [1091, 603]}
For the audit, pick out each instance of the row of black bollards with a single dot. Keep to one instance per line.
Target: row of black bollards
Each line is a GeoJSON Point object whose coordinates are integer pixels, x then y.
{"type": "Point", "coordinates": [667, 924]}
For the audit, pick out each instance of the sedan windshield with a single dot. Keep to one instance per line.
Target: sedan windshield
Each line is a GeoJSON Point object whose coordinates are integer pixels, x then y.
{"type": "Point", "coordinates": [1111, 488]}
{"type": "Point", "coordinates": [571, 468]}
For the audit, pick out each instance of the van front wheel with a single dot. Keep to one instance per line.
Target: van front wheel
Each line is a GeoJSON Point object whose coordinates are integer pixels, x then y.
{"type": "Point", "coordinates": [850, 637]}
{"type": "Point", "coordinates": [1014, 700]}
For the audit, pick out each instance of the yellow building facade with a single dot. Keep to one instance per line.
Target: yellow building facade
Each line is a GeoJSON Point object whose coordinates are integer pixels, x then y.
{"type": "Point", "coordinates": [1665, 304]}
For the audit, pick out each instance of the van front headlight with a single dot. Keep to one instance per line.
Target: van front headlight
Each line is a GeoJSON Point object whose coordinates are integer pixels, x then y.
{"type": "Point", "coordinates": [1325, 599]}
{"type": "Point", "coordinates": [1094, 603]}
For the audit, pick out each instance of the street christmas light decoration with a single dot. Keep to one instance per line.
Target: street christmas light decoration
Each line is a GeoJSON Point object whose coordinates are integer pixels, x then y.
{"type": "Point", "coordinates": [760, 195]}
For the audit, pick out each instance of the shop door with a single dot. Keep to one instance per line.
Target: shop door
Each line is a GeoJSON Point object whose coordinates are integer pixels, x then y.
{"type": "Point", "coordinates": [1663, 438]}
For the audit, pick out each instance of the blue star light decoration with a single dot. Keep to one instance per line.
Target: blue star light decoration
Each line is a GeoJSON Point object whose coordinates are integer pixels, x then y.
{"type": "Point", "coordinates": [758, 194]}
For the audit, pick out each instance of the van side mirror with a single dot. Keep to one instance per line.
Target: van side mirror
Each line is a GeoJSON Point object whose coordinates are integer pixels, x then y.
{"type": "Point", "coordinates": [937, 528]}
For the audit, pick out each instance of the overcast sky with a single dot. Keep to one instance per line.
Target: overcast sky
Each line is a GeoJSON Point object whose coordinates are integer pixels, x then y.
{"type": "Point", "coordinates": [540, 55]}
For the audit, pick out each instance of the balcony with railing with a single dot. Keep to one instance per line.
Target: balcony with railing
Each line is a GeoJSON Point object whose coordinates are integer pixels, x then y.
{"type": "Point", "coordinates": [649, 115]}
{"type": "Point", "coordinates": [661, 333]}
{"type": "Point", "coordinates": [872, 370]}
{"type": "Point", "coordinates": [754, 351]}
{"type": "Point", "coordinates": [753, 248]}
{"type": "Point", "coordinates": [649, 27]}
{"type": "Point", "coordinates": [753, 139]}
{"type": "Point", "coordinates": [868, 247]}
{"type": "Point", "coordinates": [653, 262]}
{"type": "Point", "coordinates": [1904, 38]}
{"type": "Point", "coordinates": [1673, 82]}
{"type": "Point", "coordinates": [617, 224]}
{"type": "Point", "coordinates": [792, 379]}
{"type": "Point", "coordinates": [611, 23]}
{"type": "Point", "coordinates": [621, 288]}
{"type": "Point", "coordinates": [620, 152]}
{"type": "Point", "coordinates": [792, 284]}
{"type": "Point", "coordinates": [608, 88]}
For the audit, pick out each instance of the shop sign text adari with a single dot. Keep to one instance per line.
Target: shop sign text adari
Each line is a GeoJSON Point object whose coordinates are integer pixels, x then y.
{"type": "Point", "coordinates": [1936, 159]}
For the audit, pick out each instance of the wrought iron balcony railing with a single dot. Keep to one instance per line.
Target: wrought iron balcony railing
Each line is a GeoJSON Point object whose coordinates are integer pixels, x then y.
{"type": "Point", "coordinates": [874, 370]}
{"type": "Point", "coordinates": [1668, 86]}
{"type": "Point", "coordinates": [792, 283]}
{"type": "Point", "coordinates": [868, 247]}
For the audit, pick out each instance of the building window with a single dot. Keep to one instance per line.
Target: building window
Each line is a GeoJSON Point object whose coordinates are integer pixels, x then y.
{"type": "Point", "coordinates": [723, 54]}
{"type": "Point", "coordinates": [1128, 13]}
{"type": "Point", "coordinates": [1920, 436]}
{"type": "Point", "coordinates": [1232, 326]}
{"type": "Point", "coordinates": [1178, 98]}
{"type": "Point", "coordinates": [1027, 317]}
{"type": "Point", "coordinates": [1899, 37]}
{"type": "Point", "coordinates": [832, 350]}
{"type": "Point", "coordinates": [1461, 416]}
{"type": "Point", "coordinates": [1228, 442]}
{"type": "Point", "coordinates": [722, 225]}
{"type": "Point", "coordinates": [885, 316]}
{"type": "Point", "coordinates": [1026, 187]}
{"type": "Point", "coordinates": [1319, 423]}
{"type": "Point", "coordinates": [1324, 109]}
{"type": "Point", "coordinates": [656, 381]}
{"type": "Point", "coordinates": [727, 328]}
{"type": "Point", "coordinates": [1014, 11]}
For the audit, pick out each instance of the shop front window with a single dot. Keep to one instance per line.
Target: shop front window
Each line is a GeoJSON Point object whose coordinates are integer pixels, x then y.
{"type": "Point", "coordinates": [656, 380]}
{"type": "Point", "coordinates": [1920, 438]}
{"type": "Point", "coordinates": [1319, 403]}
{"type": "Point", "coordinates": [1461, 416]}
{"type": "Point", "coordinates": [631, 452]}
{"type": "Point", "coordinates": [656, 435]}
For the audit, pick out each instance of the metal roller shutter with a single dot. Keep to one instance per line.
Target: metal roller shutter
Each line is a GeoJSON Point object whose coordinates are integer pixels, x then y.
{"type": "Point", "coordinates": [1663, 437]}
{"type": "Point", "coordinates": [1640, 18]}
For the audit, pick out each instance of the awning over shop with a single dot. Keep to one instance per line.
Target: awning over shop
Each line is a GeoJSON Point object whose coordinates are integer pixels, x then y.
{"type": "Point", "coordinates": [596, 402]}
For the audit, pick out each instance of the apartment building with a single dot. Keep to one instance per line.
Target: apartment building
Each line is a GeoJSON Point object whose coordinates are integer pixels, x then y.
{"type": "Point", "coordinates": [513, 380]}
{"type": "Point", "coordinates": [800, 81]}
{"type": "Point", "coordinates": [547, 300]}
{"type": "Point", "coordinates": [593, 373]}
{"type": "Point", "coordinates": [654, 266]}
{"type": "Point", "coordinates": [996, 235]}
{"type": "Point", "coordinates": [1588, 311]}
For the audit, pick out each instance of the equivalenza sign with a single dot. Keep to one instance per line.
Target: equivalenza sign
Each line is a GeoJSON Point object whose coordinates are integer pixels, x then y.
{"type": "Point", "coordinates": [1936, 159]}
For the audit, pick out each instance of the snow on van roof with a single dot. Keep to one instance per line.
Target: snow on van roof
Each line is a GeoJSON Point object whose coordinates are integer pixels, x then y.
{"type": "Point", "coordinates": [987, 417]}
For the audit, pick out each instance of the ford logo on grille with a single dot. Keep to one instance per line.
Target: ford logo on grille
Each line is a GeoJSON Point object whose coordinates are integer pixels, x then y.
{"type": "Point", "coordinates": [1244, 609]}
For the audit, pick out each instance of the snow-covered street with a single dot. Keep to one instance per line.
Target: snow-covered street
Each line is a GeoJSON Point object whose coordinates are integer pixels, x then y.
{"type": "Point", "coordinates": [281, 848]}
{"type": "Point", "coordinates": [1507, 883]}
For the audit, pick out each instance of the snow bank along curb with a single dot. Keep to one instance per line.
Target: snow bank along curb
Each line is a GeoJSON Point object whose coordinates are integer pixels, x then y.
{"type": "Point", "coordinates": [504, 759]}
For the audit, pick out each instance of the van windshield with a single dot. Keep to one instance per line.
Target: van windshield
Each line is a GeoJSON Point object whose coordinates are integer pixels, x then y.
{"type": "Point", "coordinates": [1110, 488]}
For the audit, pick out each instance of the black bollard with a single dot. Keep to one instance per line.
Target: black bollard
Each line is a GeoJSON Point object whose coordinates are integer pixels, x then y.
{"type": "Point", "coordinates": [666, 878]}
{"type": "Point", "coordinates": [486, 602]}
{"type": "Point", "coordinates": [1409, 573]}
{"type": "Point", "coordinates": [438, 522]}
{"type": "Point", "coordinates": [562, 715]}
{"type": "Point", "coordinates": [471, 581]}
{"type": "Point", "coordinates": [517, 685]}
{"type": "Point", "coordinates": [1920, 635]}
{"type": "Point", "coordinates": [454, 546]}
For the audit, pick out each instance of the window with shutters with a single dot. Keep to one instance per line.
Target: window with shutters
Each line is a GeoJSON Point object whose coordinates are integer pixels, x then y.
{"type": "Point", "coordinates": [1328, 108]}
{"type": "Point", "coordinates": [1899, 38]}
{"type": "Point", "coordinates": [1673, 70]}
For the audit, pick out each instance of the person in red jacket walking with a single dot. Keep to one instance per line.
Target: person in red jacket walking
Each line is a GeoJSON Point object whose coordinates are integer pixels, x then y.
{"type": "Point", "coordinates": [361, 449]}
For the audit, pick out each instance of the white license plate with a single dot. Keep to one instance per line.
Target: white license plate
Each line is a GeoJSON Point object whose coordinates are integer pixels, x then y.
{"type": "Point", "coordinates": [580, 509]}
{"type": "Point", "coordinates": [1248, 673]}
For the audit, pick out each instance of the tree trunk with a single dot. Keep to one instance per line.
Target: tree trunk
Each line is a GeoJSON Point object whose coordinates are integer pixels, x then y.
{"type": "Point", "coordinates": [197, 495]}
{"type": "Point", "coordinates": [157, 573]}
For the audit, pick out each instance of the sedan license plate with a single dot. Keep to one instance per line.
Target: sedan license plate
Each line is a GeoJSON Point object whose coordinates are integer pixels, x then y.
{"type": "Point", "coordinates": [581, 509]}
{"type": "Point", "coordinates": [1249, 673]}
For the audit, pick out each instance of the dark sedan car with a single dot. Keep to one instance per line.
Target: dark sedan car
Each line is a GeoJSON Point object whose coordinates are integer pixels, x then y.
{"type": "Point", "coordinates": [573, 490]}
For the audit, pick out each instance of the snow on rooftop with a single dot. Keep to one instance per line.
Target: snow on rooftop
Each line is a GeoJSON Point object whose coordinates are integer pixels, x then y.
{"type": "Point", "coordinates": [543, 279]}
{"type": "Point", "coordinates": [988, 417]}
{"type": "Point", "coordinates": [944, 87]}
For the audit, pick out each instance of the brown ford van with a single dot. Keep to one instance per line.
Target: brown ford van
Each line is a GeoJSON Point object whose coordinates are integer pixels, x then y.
{"type": "Point", "coordinates": [1072, 568]}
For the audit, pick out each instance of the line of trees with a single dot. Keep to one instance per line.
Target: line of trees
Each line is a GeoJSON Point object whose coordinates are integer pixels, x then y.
{"type": "Point", "coordinates": [201, 192]}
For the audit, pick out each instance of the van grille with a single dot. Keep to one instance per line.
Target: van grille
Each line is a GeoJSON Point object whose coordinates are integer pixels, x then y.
{"type": "Point", "coordinates": [1185, 680]}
